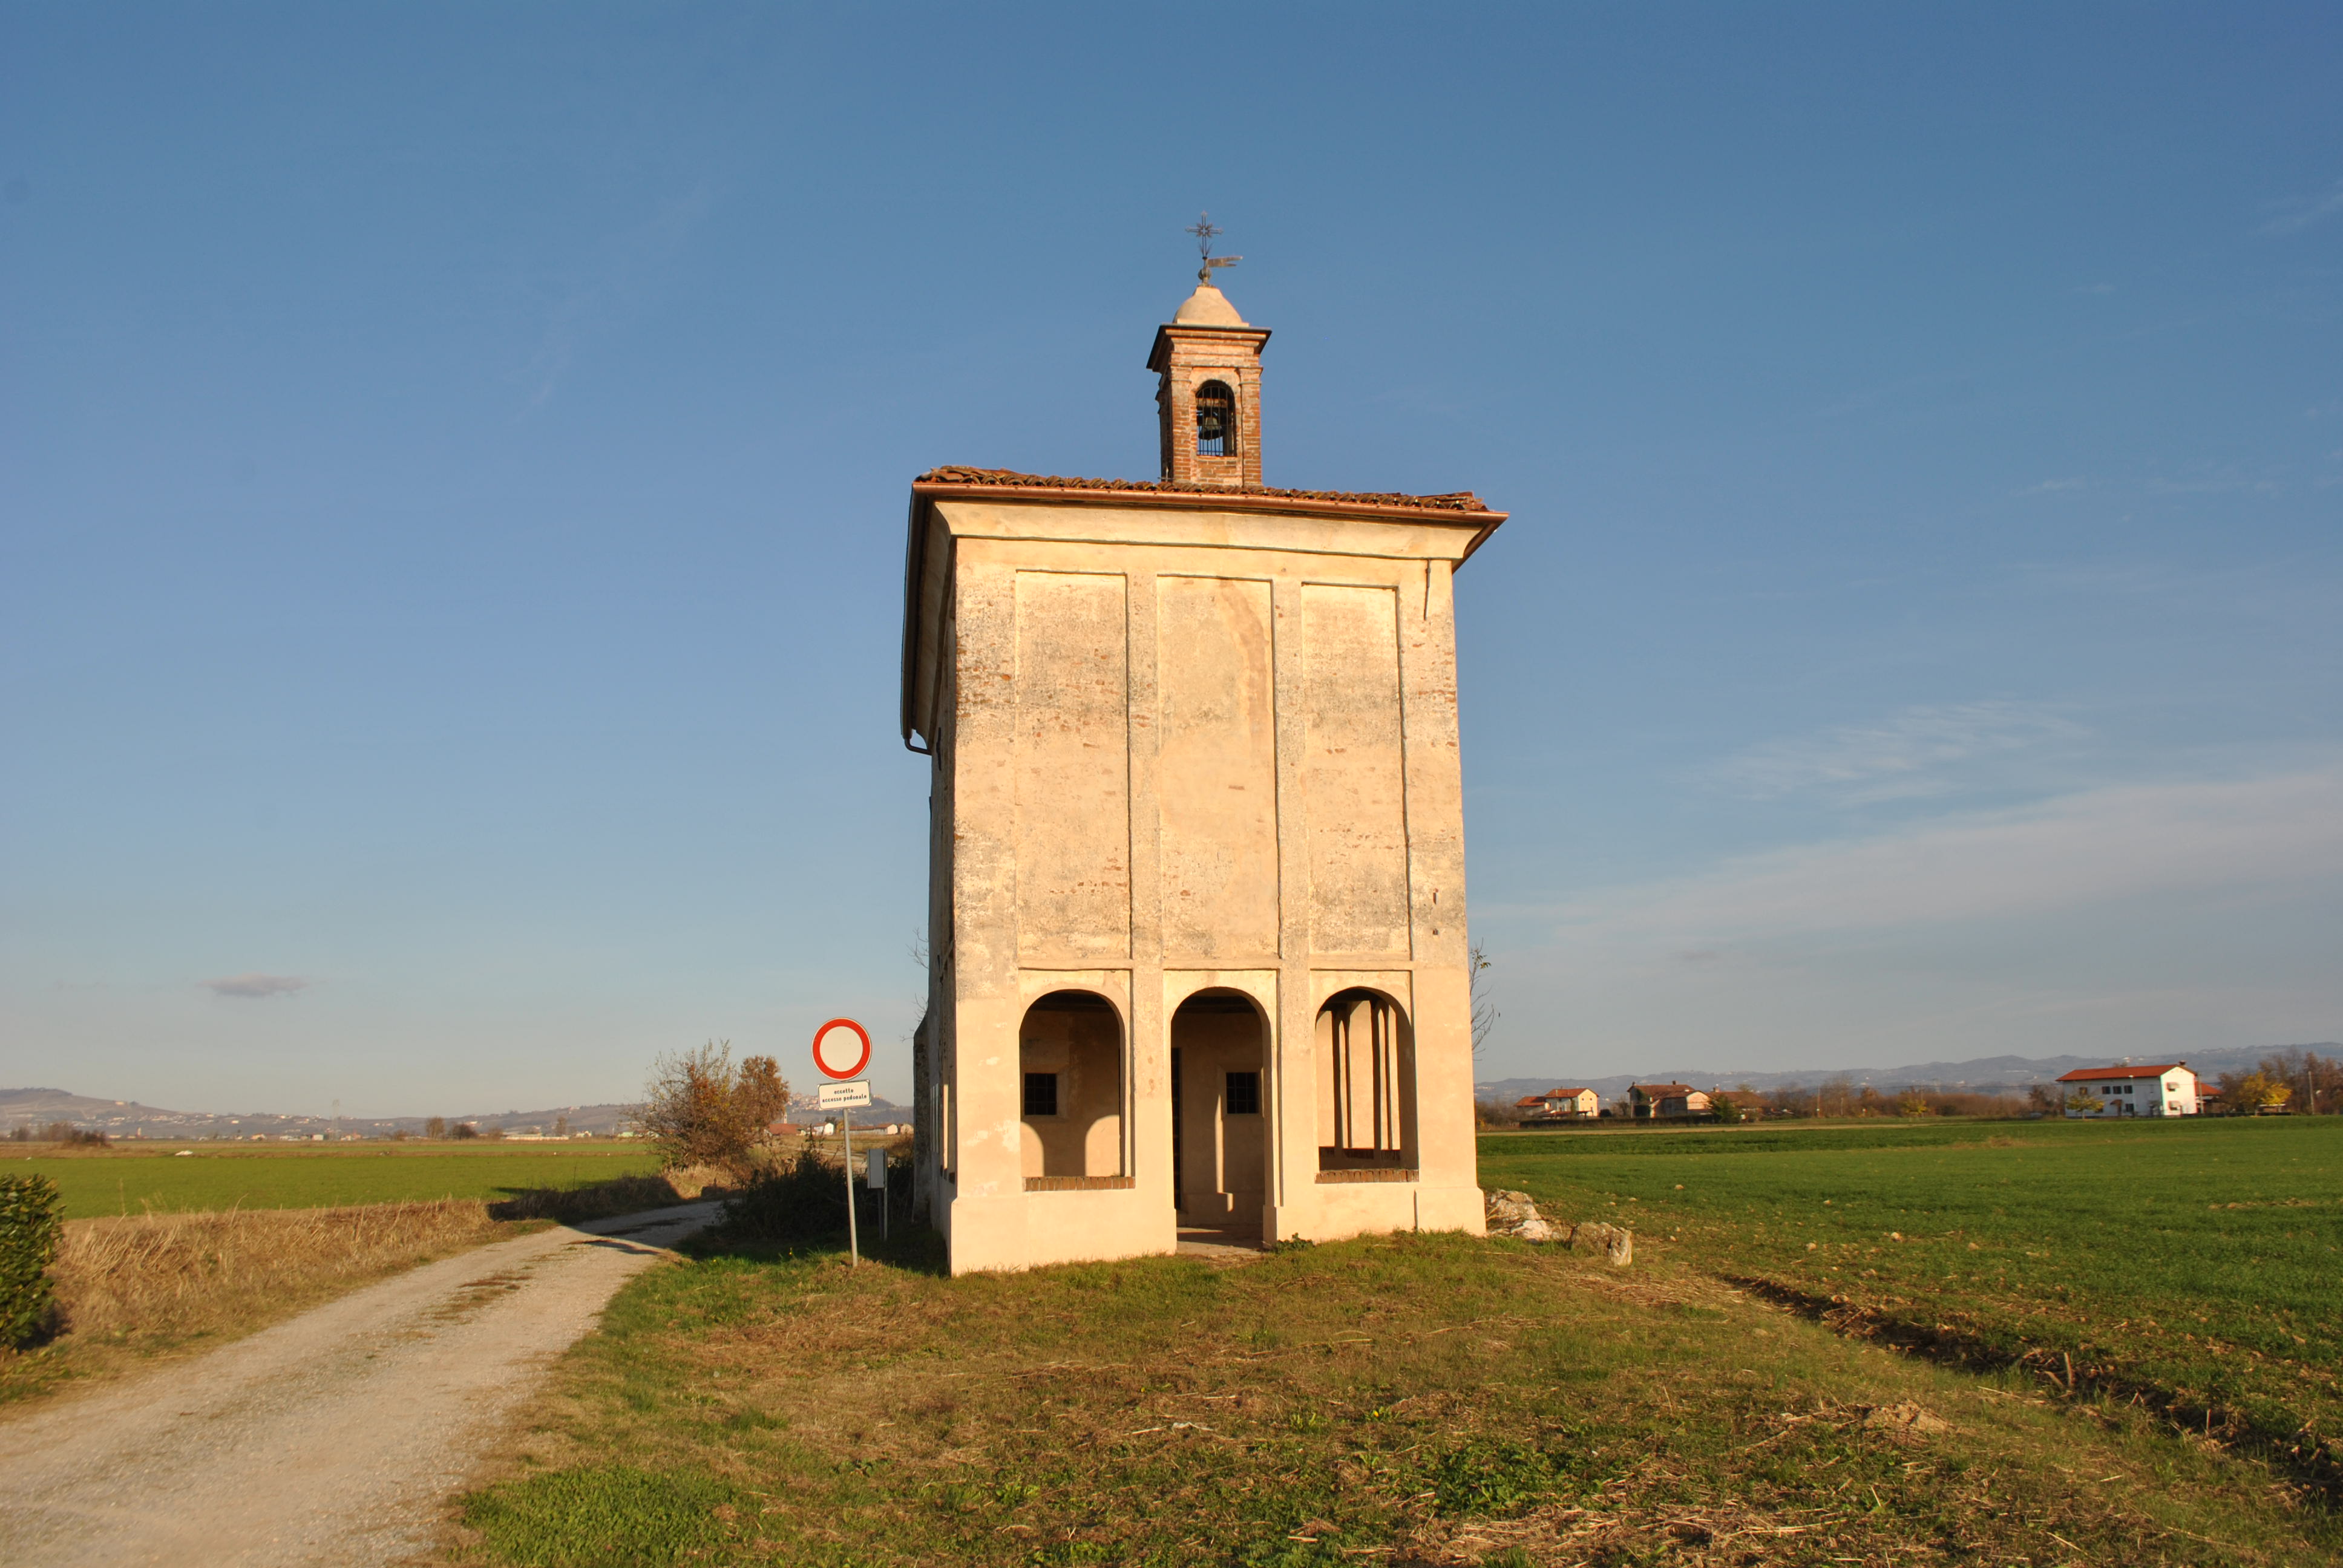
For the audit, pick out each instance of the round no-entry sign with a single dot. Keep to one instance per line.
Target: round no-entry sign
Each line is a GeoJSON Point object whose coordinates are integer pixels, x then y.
{"type": "Point", "coordinates": [835, 1040]}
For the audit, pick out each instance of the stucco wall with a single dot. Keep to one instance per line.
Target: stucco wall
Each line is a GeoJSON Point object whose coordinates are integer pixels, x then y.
{"type": "Point", "coordinates": [1177, 749]}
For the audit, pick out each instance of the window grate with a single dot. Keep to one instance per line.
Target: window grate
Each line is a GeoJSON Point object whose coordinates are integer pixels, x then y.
{"type": "Point", "coordinates": [1244, 1094]}
{"type": "Point", "coordinates": [1216, 420]}
{"type": "Point", "coordinates": [1040, 1094]}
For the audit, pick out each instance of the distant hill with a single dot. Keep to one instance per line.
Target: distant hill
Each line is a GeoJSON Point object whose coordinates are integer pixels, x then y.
{"type": "Point", "coordinates": [130, 1118]}
{"type": "Point", "coordinates": [1981, 1075]}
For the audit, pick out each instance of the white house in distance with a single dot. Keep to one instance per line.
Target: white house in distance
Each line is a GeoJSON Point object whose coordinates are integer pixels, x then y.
{"type": "Point", "coordinates": [2166, 1089]}
{"type": "Point", "coordinates": [1647, 1101]}
{"type": "Point", "coordinates": [1560, 1104]}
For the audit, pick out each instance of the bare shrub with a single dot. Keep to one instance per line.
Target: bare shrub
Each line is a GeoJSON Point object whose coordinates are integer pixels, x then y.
{"type": "Point", "coordinates": [700, 1109]}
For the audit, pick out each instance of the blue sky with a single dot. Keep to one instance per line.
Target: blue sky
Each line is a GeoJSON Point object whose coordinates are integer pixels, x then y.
{"type": "Point", "coordinates": [453, 462]}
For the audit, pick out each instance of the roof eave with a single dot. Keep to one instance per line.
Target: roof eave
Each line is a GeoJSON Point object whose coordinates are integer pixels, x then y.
{"type": "Point", "coordinates": [1210, 501]}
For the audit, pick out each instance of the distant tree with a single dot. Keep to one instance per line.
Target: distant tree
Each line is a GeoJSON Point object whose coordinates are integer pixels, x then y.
{"type": "Point", "coordinates": [463, 1129]}
{"type": "Point", "coordinates": [2319, 1080]}
{"type": "Point", "coordinates": [1913, 1103]}
{"type": "Point", "coordinates": [2043, 1097]}
{"type": "Point", "coordinates": [1496, 1114]}
{"type": "Point", "coordinates": [493, 1134]}
{"type": "Point", "coordinates": [1728, 1109]}
{"type": "Point", "coordinates": [2082, 1103]}
{"type": "Point", "coordinates": [561, 1127]}
{"type": "Point", "coordinates": [437, 1127]}
{"type": "Point", "coordinates": [701, 1109]}
{"type": "Point", "coordinates": [2254, 1090]}
{"type": "Point", "coordinates": [1836, 1098]}
{"type": "Point", "coordinates": [1485, 1011]}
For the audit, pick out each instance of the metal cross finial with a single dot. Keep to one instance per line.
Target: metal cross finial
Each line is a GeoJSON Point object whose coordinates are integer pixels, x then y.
{"type": "Point", "coordinates": [1206, 231]}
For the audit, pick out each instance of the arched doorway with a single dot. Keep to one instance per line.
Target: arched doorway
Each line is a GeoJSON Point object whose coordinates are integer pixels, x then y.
{"type": "Point", "coordinates": [1070, 1054]}
{"type": "Point", "coordinates": [1366, 1084]}
{"type": "Point", "coordinates": [1219, 1140]}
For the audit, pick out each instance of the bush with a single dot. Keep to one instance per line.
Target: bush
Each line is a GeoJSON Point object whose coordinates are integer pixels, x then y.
{"type": "Point", "coordinates": [803, 1200]}
{"type": "Point", "coordinates": [702, 1111]}
{"type": "Point", "coordinates": [30, 1223]}
{"type": "Point", "coordinates": [593, 1200]}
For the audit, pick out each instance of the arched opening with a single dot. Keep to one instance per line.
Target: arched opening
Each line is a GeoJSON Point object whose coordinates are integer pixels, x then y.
{"type": "Point", "coordinates": [1219, 1140]}
{"type": "Point", "coordinates": [1216, 420]}
{"type": "Point", "coordinates": [1070, 1057]}
{"type": "Point", "coordinates": [1366, 1084]}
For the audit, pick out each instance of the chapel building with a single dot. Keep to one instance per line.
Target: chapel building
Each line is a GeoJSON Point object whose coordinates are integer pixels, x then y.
{"type": "Point", "coordinates": [1197, 940]}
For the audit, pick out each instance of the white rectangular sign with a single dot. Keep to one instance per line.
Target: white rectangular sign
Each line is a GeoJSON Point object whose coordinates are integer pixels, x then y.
{"type": "Point", "coordinates": [844, 1096]}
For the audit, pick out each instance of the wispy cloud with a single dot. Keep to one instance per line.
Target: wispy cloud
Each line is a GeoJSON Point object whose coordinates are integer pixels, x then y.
{"type": "Point", "coordinates": [2122, 842]}
{"type": "Point", "coordinates": [2145, 917]}
{"type": "Point", "coordinates": [256, 985]}
{"type": "Point", "coordinates": [2302, 212]}
{"type": "Point", "coordinates": [609, 284]}
{"type": "Point", "coordinates": [1913, 754]}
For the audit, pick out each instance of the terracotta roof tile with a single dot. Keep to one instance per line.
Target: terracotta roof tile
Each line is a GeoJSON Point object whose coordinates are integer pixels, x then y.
{"type": "Point", "coordinates": [2086, 1074]}
{"type": "Point", "coordinates": [1009, 478]}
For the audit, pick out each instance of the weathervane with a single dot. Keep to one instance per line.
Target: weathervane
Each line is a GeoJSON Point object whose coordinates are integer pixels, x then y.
{"type": "Point", "coordinates": [1206, 231]}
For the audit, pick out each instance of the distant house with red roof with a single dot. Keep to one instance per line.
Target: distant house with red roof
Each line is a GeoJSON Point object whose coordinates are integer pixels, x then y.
{"type": "Point", "coordinates": [2159, 1089]}
{"type": "Point", "coordinates": [1560, 1105]}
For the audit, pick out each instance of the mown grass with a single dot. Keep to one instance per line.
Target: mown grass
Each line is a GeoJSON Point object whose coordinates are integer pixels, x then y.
{"type": "Point", "coordinates": [2196, 1265]}
{"type": "Point", "coordinates": [220, 1176]}
{"type": "Point", "coordinates": [1425, 1399]}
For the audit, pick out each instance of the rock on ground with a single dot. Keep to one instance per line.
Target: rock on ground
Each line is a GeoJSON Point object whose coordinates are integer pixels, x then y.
{"type": "Point", "coordinates": [1511, 1213]}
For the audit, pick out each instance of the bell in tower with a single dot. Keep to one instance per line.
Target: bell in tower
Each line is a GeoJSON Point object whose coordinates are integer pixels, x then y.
{"type": "Point", "coordinates": [1208, 396]}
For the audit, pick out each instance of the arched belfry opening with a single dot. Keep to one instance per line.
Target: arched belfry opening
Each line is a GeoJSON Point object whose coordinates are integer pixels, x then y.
{"type": "Point", "coordinates": [1070, 1078]}
{"type": "Point", "coordinates": [1366, 1085]}
{"type": "Point", "coordinates": [1216, 420]}
{"type": "Point", "coordinates": [1220, 1139]}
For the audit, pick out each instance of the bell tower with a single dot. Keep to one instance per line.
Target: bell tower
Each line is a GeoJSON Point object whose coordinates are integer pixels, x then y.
{"type": "Point", "coordinates": [1207, 358]}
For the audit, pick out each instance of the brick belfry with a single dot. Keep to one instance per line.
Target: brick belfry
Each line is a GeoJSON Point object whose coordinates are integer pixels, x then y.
{"type": "Point", "coordinates": [1196, 909]}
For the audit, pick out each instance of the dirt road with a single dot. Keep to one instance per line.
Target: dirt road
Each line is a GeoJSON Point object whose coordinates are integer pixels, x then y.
{"type": "Point", "coordinates": [330, 1439]}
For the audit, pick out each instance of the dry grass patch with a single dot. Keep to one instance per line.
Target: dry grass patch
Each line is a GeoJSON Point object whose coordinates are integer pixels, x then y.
{"type": "Point", "coordinates": [134, 1287]}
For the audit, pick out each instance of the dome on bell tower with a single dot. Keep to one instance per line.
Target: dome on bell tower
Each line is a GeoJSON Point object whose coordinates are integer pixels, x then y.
{"type": "Point", "coordinates": [1208, 306]}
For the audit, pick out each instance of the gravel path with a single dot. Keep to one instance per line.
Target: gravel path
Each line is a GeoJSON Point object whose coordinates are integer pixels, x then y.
{"type": "Point", "coordinates": [333, 1438]}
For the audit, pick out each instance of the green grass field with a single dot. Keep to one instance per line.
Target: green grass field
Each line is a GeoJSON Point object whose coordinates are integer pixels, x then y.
{"type": "Point", "coordinates": [134, 1180]}
{"type": "Point", "coordinates": [1442, 1400]}
{"type": "Point", "coordinates": [2195, 1265]}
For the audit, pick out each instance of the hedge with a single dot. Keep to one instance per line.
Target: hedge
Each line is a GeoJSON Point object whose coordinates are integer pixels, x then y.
{"type": "Point", "coordinates": [30, 1223]}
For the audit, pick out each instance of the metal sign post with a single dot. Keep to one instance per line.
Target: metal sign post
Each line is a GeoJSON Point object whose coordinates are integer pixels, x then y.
{"type": "Point", "coordinates": [877, 1182]}
{"type": "Point", "coordinates": [843, 1097]}
{"type": "Point", "coordinates": [841, 1035]}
